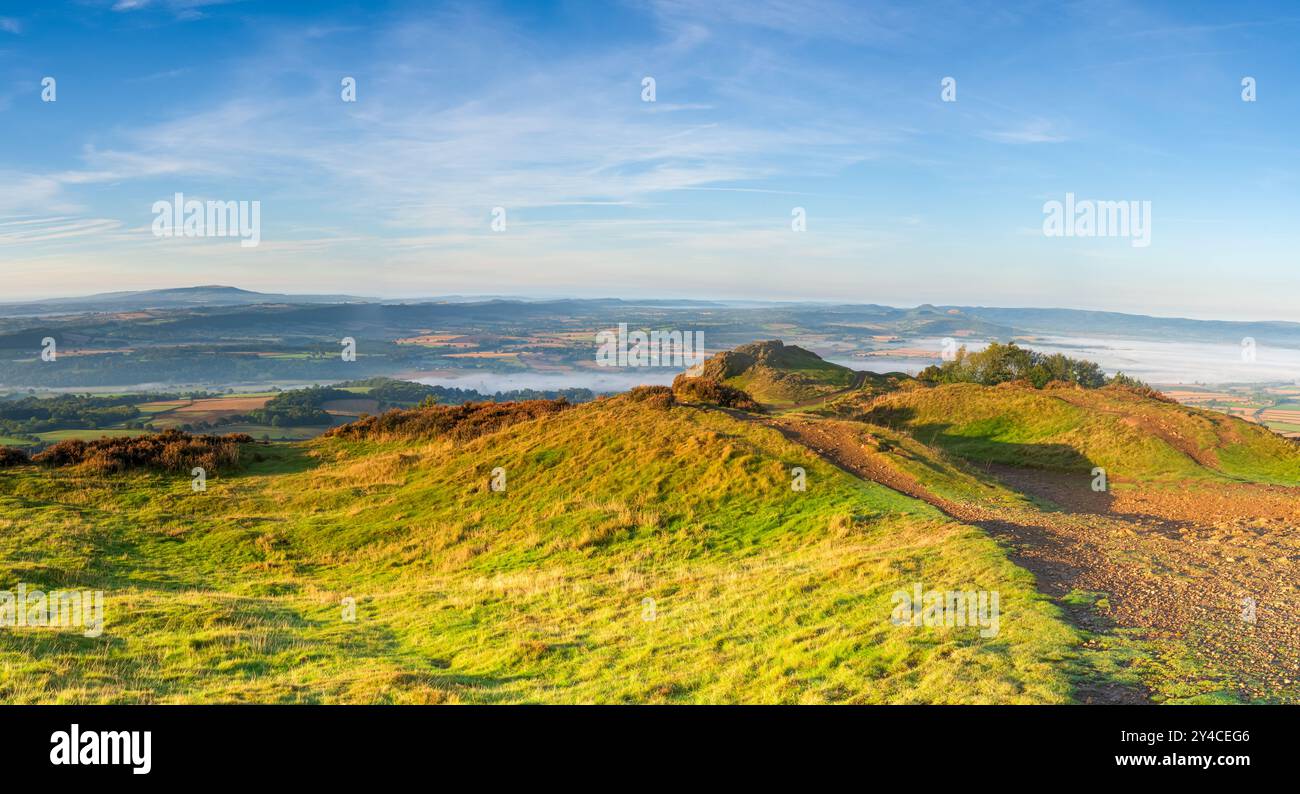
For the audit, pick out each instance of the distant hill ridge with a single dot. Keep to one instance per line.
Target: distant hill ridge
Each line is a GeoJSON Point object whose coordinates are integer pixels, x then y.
{"type": "Point", "coordinates": [1118, 424]}
{"type": "Point", "coordinates": [775, 373]}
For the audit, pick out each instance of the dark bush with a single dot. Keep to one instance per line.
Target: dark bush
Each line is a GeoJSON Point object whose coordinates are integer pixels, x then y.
{"type": "Point", "coordinates": [653, 396]}
{"type": "Point", "coordinates": [171, 451]}
{"type": "Point", "coordinates": [1131, 384]}
{"type": "Point", "coordinates": [459, 422]}
{"type": "Point", "coordinates": [11, 456]}
{"type": "Point", "coordinates": [708, 390]}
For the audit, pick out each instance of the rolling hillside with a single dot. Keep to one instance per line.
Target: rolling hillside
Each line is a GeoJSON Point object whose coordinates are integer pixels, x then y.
{"type": "Point", "coordinates": [777, 374]}
{"type": "Point", "coordinates": [639, 553]}
{"type": "Point", "coordinates": [1182, 556]}
{"type": "Point", "coordinates": [638, 549]}
{"type": "Point", "coordinates": [1071, 429]}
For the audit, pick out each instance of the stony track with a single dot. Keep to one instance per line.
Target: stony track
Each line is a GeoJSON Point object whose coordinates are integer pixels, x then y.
{"type": "Point", "coordinates": [1211, 566]}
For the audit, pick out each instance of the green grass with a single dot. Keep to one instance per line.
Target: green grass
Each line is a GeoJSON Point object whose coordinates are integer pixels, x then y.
{"type": "Point", "coordinates": [158, 407]}
{"type": "Point", "coordinates": [1075, 429]}
{"type": "Point", "coordinates": [791, 375]}
{"type": "Point", "coordinates": [536, 594]}
{"type": "Point", "coordinates": [275, 433]}
{"type": "Point", "coordinates": [88, 435]}
{"type": "Point", "coordinates": [10, 441]}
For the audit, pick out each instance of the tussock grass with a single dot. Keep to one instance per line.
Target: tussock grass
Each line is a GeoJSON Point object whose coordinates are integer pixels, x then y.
{"type": "Point", "coordinates": [1132, 437]}
{"type": "Point", "coordinates": [640, 553]}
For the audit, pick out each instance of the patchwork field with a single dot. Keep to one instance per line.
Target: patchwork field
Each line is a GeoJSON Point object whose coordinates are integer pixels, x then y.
{"type": "Point", "coordinates": [171, 414]}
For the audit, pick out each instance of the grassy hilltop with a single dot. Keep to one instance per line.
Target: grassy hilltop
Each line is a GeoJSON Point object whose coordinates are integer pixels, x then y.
{"type": "Point", "coordinates": [535, 594]}
{"type": "Point", "coordinates": [646, 549]}
{"type": "Point", "coordinates": [777, 374]}
{"type": "Point", "coordinates": [1070, 428]}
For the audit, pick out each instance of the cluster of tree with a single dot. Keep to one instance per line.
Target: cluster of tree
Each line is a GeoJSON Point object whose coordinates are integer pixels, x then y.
{"type": "Point", "coordinates": [30, 415]}
{"type": "Point", "coordinates": [170, 451]}
{"type": "Point", "coordinates": [999, 363]}
{"type": "Point", "coordinates": [298, 408]}
{"type": "Point", "coordinates": [445, 395]}
{"type": "Point", "coordinates": [457, 422]}
{"type": "Point", "coordinates": [392, 393]}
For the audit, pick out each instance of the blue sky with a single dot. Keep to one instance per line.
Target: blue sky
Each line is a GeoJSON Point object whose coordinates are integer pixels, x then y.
{"type": "Point", "coordinates": [761, 107]}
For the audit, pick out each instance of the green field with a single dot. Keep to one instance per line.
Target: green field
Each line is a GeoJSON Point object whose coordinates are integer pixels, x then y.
{"type": "Point", "coordinates": [86, 435]}
{"type": "Point", "coordinates": [275, 433]}
{"type": "Point", "coordinates": [636, 555]}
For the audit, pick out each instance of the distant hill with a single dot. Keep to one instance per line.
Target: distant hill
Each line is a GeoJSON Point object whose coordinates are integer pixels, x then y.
{"type": "Point", "coordinates": [181, 297]}
{"type": "Point", "coordinates": [1077, 322]}
{"type": "Point", "coordinates": [215, 335]}
{"type": "Point", "coordinates": [1131, 432]}
{"type": "Point", "coordinates": [777, 374]}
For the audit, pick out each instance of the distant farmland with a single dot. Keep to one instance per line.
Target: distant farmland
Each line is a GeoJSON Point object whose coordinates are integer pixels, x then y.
{"type": "Point", "coordinates": [176, 413]}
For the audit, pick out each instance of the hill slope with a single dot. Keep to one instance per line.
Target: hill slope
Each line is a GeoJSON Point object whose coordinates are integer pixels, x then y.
{"type": "Point", "coordinates": [638, 553]}
{"type": "Point", "coordinates": [1131, 436]}
{"type": "Point", "coordinates": [777, 374]}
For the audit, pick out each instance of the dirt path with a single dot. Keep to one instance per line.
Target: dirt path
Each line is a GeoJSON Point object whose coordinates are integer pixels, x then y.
{"type": "Point", "coordinates": [1175, 564]}
{"type": "Point", "coordinates": [859, 379]}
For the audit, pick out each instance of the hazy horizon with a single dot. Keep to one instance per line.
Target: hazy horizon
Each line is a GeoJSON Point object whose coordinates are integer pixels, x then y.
{"type": "Point", "coordinates": [515, 144]}
{"type": "Point", "coordinates": [559, 296]}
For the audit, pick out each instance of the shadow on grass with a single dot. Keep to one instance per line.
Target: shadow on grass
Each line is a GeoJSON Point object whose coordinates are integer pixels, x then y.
{"type": "Point", "coordinates": [260, 459]}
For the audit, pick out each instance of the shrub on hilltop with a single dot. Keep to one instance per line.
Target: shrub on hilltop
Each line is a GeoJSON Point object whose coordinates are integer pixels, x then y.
{"type": "Point", "coordinates": [458, 422]}
{"type": "Point", "coordinates": [709, 390]}
{"type": "Point", "coordinates": [653, 396]}
{"type": "Point", "coordinates": [1000, 364]}
{"type": "Point", "coordinates": [12, 456]}
{"type": "Point", "coordinates": [1130, 384]}
{"type": "Point", "coordinates": [170, 451]}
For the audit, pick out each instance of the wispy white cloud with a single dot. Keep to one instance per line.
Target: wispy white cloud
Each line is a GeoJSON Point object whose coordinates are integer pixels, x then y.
{"type": "Point", "coordinates": [761, 106]}
{"type": "Point", "coordinates": [1032, 132]}
{"type": "Point", "coordinates": [411, 155]}
{"type": "Point", "coordinates": [815, 19]}
{"type": "Point", "coordinates": [43, 230]}
{"type": "Point", "coordinates": [189, 9]}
